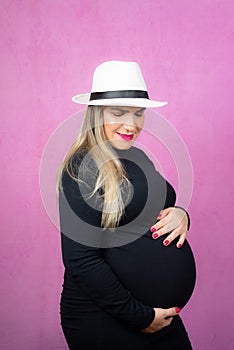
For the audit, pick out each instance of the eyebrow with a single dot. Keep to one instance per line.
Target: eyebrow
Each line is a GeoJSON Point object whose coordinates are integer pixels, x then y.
{"type": "Point", "coordinates": [125, 110]}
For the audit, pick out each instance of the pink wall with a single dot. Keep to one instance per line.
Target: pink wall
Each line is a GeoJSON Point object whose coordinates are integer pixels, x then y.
{"type": "Point", "coordinates": [48, 52]}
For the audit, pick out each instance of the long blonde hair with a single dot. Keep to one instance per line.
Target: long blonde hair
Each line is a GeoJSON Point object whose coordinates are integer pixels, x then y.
{"type": "Point", "coordinates": [111, 180]}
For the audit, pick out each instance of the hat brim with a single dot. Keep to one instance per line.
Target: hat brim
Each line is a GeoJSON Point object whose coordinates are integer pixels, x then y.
{"type": "Point", "coordinates": [84, 99]}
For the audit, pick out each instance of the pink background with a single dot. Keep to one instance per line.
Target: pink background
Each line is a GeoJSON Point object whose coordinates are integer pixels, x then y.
{"type": "Point", "coordinates": [48, 53]}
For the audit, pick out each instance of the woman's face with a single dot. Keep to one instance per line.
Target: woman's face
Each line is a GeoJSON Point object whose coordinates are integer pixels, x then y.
{"type": "Point", "coordinates": [122, 125]}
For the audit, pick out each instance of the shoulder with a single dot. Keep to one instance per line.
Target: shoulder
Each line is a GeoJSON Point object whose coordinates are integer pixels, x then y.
{"type": "Point", "coordinates": [141, 157]}
{"type": "Point", "coordinates": [152, 173]}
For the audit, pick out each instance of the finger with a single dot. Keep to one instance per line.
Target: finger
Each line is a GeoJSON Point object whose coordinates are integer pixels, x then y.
{"type": "Point", "coordinates": [181, 240]}
{"type": "Point", "coordinates": [163, 213]}
{"type": "Point", "coordinates": [172, 236]}
{"type": "Point", "coordinates": [159, 232]}
{"type": "Point", "coordinates": [173, 311]}
{"type": "Point", "coordinates": [168, 223]}
{"type": "Point", "coordinates": [162, 222]}
{"type": "Point", "coordinates": [162, 227]}
{"type": "Point", "coordinates": [158, 226]}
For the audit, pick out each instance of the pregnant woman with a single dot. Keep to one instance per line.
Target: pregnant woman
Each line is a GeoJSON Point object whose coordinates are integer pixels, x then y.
{"type": "Point", "coordinates": [122, 289]}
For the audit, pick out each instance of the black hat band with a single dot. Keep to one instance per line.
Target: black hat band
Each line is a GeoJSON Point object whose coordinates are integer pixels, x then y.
{"type": "Point", "coordinates": [119, 94]}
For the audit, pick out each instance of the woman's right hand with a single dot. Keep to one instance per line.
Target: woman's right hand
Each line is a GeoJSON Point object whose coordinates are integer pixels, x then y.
{"type": "Point", "coordinates": [163, 318]}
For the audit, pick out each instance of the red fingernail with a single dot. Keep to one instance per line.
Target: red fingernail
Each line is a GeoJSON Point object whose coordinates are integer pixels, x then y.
{"type": "Point", "coordinates": [159, 216]}
{"type": "Point", "coordinates": [155, 235]}
{"type": "Point", "coordinates": [179, 245]}
{"type": "Point", "coordinates": [166, 242]}
{"type": "Point", "coordinates": [177, 310]}
{"type": "Point", "coordinates": [153, 229]}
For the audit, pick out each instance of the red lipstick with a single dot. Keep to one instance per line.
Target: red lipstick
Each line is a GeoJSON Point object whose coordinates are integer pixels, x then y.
{"type": "Point", "coordinates": [126, 137]}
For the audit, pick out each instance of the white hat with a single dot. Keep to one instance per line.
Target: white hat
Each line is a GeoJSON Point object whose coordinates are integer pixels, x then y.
{"type": "Point", "coordinates": [118, 83]}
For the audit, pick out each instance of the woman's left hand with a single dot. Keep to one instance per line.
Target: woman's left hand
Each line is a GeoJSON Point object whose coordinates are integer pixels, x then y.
{"type": "Point", "coordinates": [173, 220]}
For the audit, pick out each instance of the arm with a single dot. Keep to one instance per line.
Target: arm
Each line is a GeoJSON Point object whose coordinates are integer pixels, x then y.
{"type": "Point", "coordinates": [86, 264]}
{"type": "Point", "coordinates": [172, 219]}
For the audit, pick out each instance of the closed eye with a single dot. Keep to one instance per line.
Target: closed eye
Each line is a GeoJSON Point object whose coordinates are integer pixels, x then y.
{"type": "Point", "coordinates": [118, 114]}
{"type": "Point", "coordinates": [139, 114]}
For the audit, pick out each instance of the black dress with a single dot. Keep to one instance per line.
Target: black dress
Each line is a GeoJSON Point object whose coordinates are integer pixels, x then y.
{"type": "Point", "coordinates": [113, 280]}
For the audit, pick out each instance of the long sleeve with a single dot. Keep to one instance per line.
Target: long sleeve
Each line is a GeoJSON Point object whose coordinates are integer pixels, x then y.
{"type": "Point", "coordinates": [86, 264]}
{"type": "Point", "coordinates": [171, 195]}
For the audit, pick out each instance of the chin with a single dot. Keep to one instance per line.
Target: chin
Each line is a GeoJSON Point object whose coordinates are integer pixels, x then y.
{"type": "Point", "coordinates": [122, 145]}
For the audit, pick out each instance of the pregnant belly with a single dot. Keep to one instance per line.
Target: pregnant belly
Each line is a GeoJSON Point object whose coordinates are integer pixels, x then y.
{"type": "Point", "coordinates": [156, 275]}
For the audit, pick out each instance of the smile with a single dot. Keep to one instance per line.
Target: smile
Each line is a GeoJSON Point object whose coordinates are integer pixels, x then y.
{"type": "Point", "coordinates": [126, 137]}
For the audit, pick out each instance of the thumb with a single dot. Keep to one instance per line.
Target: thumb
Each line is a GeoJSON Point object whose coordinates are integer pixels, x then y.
{"type": "Point", "coordinates": [173, 311]}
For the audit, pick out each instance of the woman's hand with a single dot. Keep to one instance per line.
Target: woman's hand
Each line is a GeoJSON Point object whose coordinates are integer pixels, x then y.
{"type": "Point", "coordinates": [163, 318]}
{"type": "Point", "coordinates": [174, 220]}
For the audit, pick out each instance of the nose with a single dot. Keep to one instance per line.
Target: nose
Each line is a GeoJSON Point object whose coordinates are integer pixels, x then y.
{"type": "Point", "coordinates": [129, 123]}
